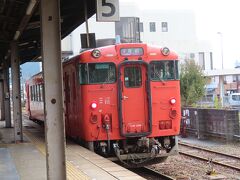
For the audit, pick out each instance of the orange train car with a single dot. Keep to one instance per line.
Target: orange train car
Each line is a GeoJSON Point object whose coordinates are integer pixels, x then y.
{"type": "Point", "coordinates": [34, 98]}
{"type": "Point", "coordinates": [121, 101]}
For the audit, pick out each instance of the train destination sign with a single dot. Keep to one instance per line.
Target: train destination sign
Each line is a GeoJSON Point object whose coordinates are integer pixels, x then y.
{"type": "Point", "coordinates": [131, 51]}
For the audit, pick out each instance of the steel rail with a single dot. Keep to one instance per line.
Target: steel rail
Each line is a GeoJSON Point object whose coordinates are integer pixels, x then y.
{"type": "Point", "coordinates": [206, 159]}
{"type": "Point", "coordinates": [152, 172]}
{"type": "Point", "coordinates": [209, 150]}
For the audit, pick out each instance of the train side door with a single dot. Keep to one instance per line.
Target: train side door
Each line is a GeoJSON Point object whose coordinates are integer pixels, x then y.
{"type": "Point", "coordinates": [67, 102]}
{"type": "Point", "coordinates": [135, 117]}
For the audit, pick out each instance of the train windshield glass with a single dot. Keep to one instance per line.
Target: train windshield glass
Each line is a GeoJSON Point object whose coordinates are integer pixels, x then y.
{"type": "Point", "coordinates": [97, 73]}
{"type": "Point", "coordinates": [164, 70]}
{"type": "Point", "coordinates": [132, 77]}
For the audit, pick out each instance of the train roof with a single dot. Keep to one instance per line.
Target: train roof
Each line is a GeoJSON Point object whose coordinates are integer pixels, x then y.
{"type": "Point", "coordinates": [36, 75]}
{"type": "Point", "coordinates": [37, 78]}
{"type": "Point", "coordinates": [124, 45]}
{"type": "Point", "coordinates": [111, 51]}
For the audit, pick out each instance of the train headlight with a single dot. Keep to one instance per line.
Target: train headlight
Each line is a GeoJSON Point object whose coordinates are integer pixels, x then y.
{"type": "Point", "coordinates": [165, 51]}
{"type": "Point", "coordinates": [93, 105]}
{"type": "Point", "coordinates": [96, 53]}
{"type": "Point", "coordinates": [173, 101]}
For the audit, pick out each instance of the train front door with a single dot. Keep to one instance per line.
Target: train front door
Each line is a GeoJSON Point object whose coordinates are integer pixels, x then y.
{"type": "Point", "coordinates": [134, 115]}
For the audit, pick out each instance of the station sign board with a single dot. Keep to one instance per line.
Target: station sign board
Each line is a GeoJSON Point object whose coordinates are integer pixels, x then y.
{"type": "Point", "coordinates": [108, 10]}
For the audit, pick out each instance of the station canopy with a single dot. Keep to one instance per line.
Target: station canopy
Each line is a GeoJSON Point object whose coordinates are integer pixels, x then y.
{"type": "Point", "coordinates": [20, 19]}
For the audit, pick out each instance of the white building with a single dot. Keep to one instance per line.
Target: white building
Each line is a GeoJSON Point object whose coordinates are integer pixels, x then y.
{"type": "Point", "coordinates": [172, 28]}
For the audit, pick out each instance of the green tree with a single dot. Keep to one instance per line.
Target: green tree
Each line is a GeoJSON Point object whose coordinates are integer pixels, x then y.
{"type": "Point", "coordinates": [192, 82]}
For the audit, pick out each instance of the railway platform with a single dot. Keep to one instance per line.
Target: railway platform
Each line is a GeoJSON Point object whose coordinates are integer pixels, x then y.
{"type": "Point", "coordinates": [26, 160]}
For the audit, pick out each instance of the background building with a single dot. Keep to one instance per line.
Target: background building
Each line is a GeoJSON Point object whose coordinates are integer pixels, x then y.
{"type": "Point", "coordinates": [175, 29]}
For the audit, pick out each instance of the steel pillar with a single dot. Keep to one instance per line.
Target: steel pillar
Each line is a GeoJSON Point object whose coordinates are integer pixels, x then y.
{"type": "Point", "coordinates": [7, 107]}
{"type": "Point", "coordinates": [16, 93]}
{"type": "Point", "coordinates": [52, 68]}
{"type": "Point", "coordinates": [2, 117]}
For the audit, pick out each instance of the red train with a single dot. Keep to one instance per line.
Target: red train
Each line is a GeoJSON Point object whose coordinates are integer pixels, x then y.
{"type": "Point", "coordinates": [122, 101]}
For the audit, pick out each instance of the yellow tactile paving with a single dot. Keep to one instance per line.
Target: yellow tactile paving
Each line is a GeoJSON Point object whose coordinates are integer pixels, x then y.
{"type": "Point", "coordinates": [72, 172]}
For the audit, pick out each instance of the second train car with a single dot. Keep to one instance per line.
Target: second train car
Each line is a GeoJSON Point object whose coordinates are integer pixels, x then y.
{"type": "Point", "coordinates": [122, 101]}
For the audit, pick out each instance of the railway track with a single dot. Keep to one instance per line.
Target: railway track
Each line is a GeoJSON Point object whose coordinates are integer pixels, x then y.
{"type": "Point", "coordinates": [208, 153]}
{"type": "Point", "coordinates": [151, 174]}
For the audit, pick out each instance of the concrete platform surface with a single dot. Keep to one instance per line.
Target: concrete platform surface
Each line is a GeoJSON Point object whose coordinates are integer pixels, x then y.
{"type": "Point", "coordinates": [7, 166]}
{"type": "Point", "coordinates": [27, 161]}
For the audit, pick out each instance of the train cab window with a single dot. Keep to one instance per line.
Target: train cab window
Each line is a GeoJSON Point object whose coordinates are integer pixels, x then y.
{"type": "Point", "coordinates": [164, 70]}
{"type": "Point", "coordinates": [97, 73]}
{"type": "Point", "coordinates": [132, 77]}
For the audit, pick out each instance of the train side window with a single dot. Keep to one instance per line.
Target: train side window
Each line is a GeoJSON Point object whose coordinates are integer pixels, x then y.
{"type": "Point", "coordinates": [132, 77]}
{"type": "Point", "coordinates": [37, 93]}
{"type": "Point", "coordinates": [34, 95]}
{"type": "Point", "coordinates": [83, 73]}
{"type": "Point", "coordinates": [34, 92]}
{"type": "Point", "coordinates": [31, 92]}
{"type": "Point", "coordinates": [41, 92]}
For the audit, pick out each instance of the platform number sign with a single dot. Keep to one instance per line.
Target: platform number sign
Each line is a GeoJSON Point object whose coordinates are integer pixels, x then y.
{"type": "Point", "coordinates": [108, 10]}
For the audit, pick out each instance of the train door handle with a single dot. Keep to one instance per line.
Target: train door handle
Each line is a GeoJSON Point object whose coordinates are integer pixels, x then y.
{"type": "Point", "coordinates": [125, 97]}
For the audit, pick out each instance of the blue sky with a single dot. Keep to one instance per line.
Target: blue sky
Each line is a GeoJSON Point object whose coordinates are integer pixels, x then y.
{"type": "Point", "coordinates": [29, 69]}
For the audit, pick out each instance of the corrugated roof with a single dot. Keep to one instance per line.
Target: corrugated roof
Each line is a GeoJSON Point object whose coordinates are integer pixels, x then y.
{"type": "Point", "coordinates": [14, 16]}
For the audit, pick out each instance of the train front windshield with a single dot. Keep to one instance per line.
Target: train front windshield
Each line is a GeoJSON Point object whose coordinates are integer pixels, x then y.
{"type": "Point", "coordinates": [101, 73]}
{"type": "Point", "coordinates": [97, 73]}
{"type": "Point", "coordinates": [164, 70]}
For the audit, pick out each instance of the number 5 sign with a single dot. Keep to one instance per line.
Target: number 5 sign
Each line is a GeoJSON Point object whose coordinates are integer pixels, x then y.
{"type": "Point", "coordinates": [108, 10]}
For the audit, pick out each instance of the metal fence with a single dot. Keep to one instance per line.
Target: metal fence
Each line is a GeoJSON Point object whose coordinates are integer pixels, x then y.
{"type": "Point", "coordinates": [206, 123]}
{"type": "Point", "coordinates": [211, 102]}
